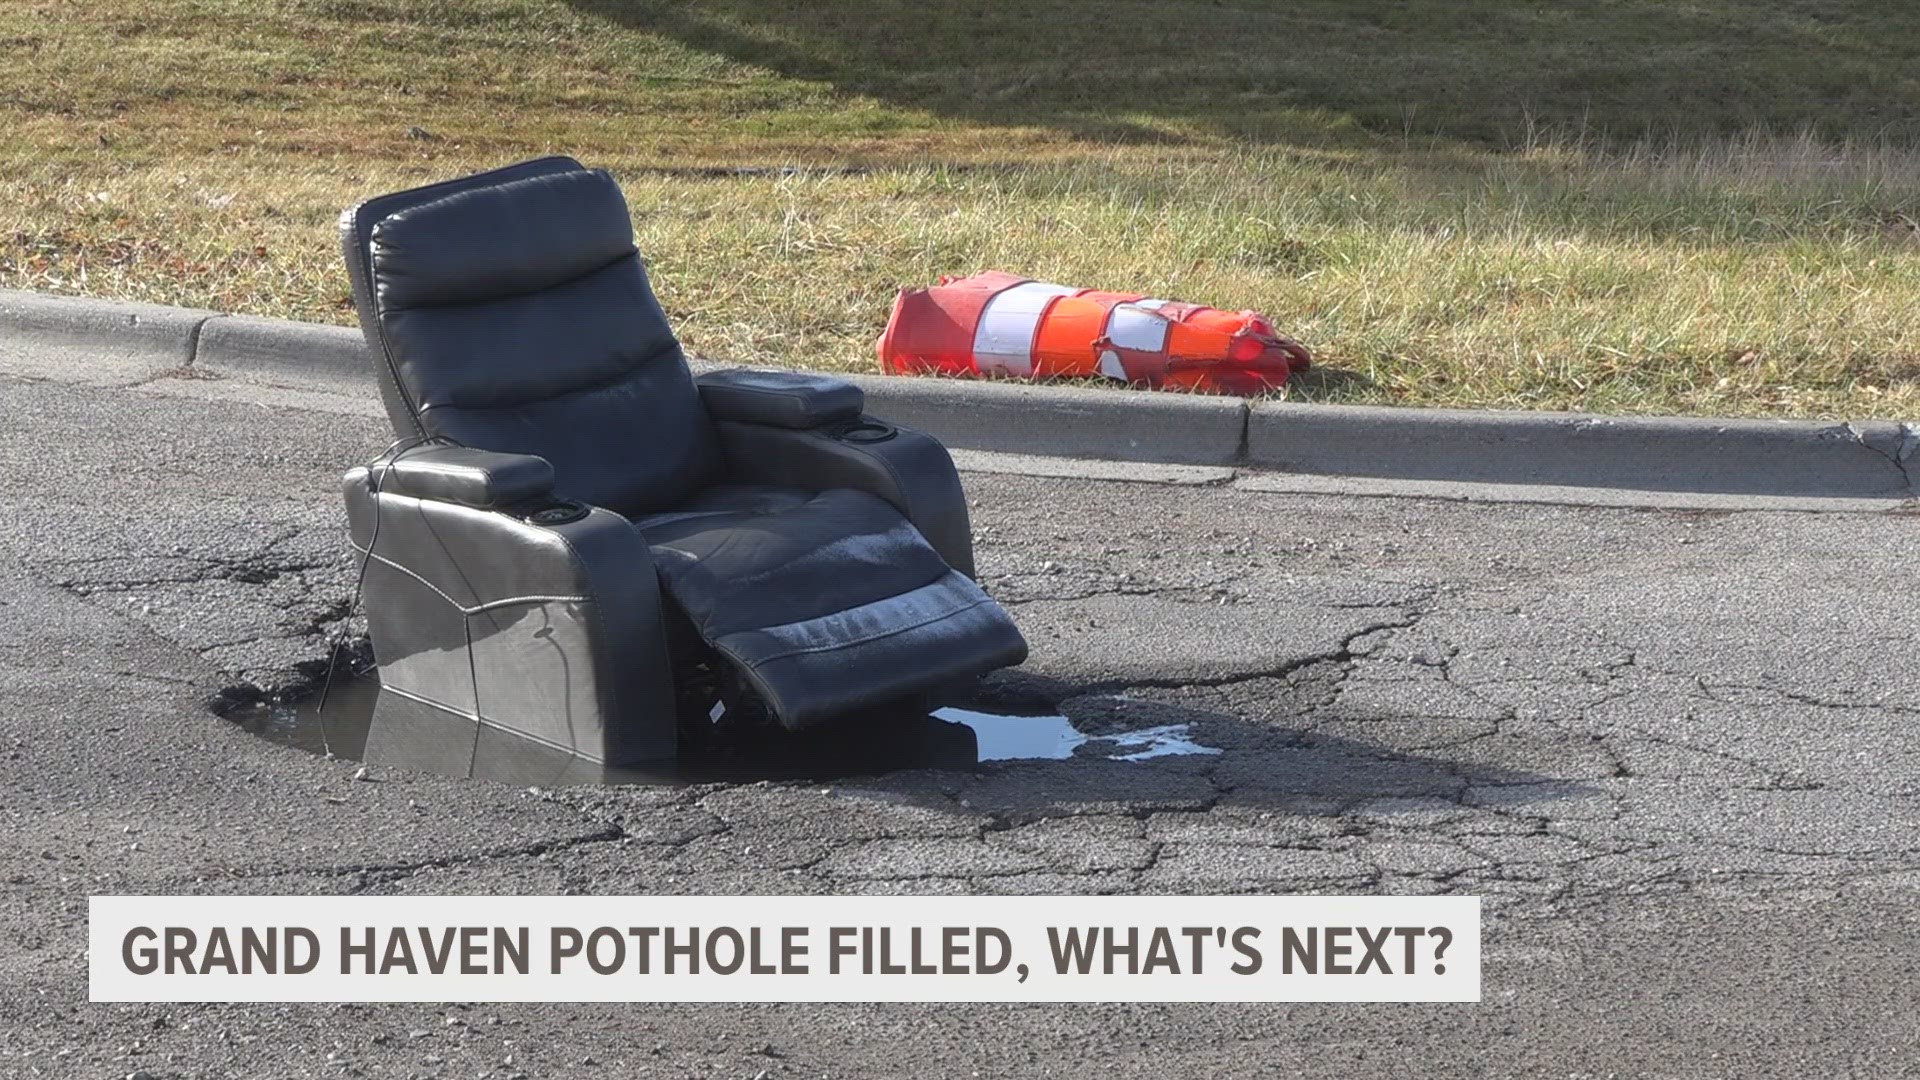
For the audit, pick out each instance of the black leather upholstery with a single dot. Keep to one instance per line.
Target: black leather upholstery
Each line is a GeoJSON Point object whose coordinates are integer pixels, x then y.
{"type": "Point", "coordinates": [823, 555]}
{"type": "Point", "coordinates": [828, 600]}
{"type": "Point", "coordinates": [463, 475]}
{"type": "Point", "coordinates": [569, 358]}
{"type": "Point", "coordinates": [496, 242]}
{"type": "Point", "coordinates": [356, 247]}
{"type": "Point", "coordinates": [910, 470]}
{"type": "Point", "coordinates": [562, 621]}
{"type": "Point", "coordinates": [788, 399]}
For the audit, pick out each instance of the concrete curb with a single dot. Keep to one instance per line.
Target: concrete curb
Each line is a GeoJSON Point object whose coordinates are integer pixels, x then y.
{"type": "Point", "coordinates": [276, 350]}
{"type": "Point", "coordinates": [165, 335]}
{"type": "Point", "coordinates": [1789, 458]}
{"type": "Point", "coordinates": [1872, 459]}
{"type": "Point", "coordinates": [1060, 421]}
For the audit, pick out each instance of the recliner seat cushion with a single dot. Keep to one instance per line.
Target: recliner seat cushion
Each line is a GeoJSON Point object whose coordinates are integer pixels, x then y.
{"type": "Point", "coordinates": [828, 601]}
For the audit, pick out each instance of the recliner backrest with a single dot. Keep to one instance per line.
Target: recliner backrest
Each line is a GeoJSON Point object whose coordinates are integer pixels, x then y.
{"type": "Point", "coordinates": [512, 313]}
{"type": "Point", "coordinates": [356, 245]}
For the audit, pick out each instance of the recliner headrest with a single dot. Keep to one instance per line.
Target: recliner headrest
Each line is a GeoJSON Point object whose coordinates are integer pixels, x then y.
{"type": "Point", "coordinates": [508, 240]}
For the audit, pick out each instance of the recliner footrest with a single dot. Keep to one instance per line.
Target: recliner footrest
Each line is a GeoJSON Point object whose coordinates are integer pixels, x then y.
{"type": "Point", "coordinates": [877, 653]}
{"type": "Point", "coordinates": [827, 602]}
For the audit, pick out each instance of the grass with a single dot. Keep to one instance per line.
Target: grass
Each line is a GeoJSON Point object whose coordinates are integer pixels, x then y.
{"type": "Point", "coordinates": [1618, 205]}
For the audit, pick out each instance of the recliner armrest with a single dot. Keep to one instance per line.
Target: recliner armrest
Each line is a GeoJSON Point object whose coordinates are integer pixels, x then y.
{"type": "Point", "coordinates": [788, 399]}
{"type": "Point", "coordinates": [458, 474]}
{"type": "Point", "coordinates": [552, 630]}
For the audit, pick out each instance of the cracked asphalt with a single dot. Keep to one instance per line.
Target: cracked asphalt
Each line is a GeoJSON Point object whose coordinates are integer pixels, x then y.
{"type": "Point", "coordinates": [1675, 751]}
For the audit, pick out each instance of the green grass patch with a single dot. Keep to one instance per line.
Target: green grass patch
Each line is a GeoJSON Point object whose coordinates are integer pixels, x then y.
{"type": "Point", "coordinates": [1621, 205]}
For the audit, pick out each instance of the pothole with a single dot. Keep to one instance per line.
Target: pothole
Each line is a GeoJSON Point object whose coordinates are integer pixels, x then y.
{"type": "Point", "coordinates": [945, 738]}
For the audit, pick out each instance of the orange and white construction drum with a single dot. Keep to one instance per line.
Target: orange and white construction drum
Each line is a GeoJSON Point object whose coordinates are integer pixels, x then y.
{"type": "Point", "coordinates": [996, 324]}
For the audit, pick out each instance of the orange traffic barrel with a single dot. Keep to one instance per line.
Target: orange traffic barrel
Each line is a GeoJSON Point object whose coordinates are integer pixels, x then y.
{"type": "Point", "coordinates": [998, 324]}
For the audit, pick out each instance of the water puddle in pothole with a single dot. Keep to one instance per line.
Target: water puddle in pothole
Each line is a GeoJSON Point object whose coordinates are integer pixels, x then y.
{"type": "Point", "coordinates": [945, 738]}
{"type": "Point", "coordinates": [1020, 738]}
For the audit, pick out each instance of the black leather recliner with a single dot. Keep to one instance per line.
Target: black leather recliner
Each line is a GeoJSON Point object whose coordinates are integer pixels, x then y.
{"type": "Point", "coordinates": [574, 526]}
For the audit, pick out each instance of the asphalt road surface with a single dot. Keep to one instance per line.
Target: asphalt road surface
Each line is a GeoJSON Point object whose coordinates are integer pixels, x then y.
{"type": "Point", "coordinates": [1676, 753]}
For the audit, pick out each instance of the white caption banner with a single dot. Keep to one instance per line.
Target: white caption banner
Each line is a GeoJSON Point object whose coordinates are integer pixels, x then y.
{"type": "Point", "coordinates": [784, 948]}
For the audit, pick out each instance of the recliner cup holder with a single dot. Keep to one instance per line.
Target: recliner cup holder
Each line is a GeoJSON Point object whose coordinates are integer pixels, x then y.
{"type": "Point", "coordinates": [865, 431]}
{"type": "Point", "coordinates": [560, 512]}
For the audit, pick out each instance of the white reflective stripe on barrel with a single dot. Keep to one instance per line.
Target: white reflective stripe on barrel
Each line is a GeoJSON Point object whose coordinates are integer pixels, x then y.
{"type": "Point", "coordinates": [1134, 327]}
{"type": "Point", "coordinates": [1003, 342]}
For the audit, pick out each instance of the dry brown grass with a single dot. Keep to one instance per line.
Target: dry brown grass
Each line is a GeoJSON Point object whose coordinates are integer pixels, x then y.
{"type": "Point", "coordinates": [196, 152]}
